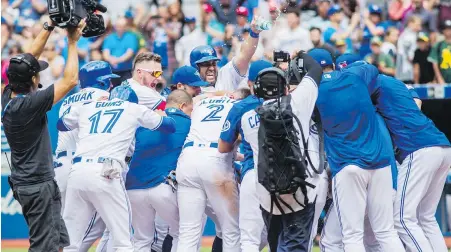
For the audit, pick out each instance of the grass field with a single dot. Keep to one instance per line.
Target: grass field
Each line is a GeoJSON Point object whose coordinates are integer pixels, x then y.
{"type": "Point", "coordinates": [315, 249]}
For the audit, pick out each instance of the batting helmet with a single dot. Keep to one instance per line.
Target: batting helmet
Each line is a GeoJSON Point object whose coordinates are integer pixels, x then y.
{"type": "Point", "coordinates": [124, 92]}
{"type": "Point", "coordinates": [202, 54]}
{"type": "Point", "coordinates": [96, 74]}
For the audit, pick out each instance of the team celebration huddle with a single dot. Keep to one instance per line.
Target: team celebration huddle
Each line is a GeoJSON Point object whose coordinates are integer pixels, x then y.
{"type": "Point", "coordinates": [256, 146]}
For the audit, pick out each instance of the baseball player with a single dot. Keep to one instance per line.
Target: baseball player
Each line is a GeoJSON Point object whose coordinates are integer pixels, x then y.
{"type": "Point", "coordinates": [95, 83]}
{"type": "Point", "coordinates": [331, 238]}
{"type": "Point", "coordinates": [140, 89]}
{"type": "Point", "coordinates": [148, 186]}
{"type": "Point", "coordinates": [95, 185]}
{"type": "Point", "coordinates": [187, 78]}
{"type": "Point", "coordinates": [357, 154]}
{"type": "Point", "coordinates": [424, 154]}
{"type": "Point", "coordinates": [251, 224]}
{"type": "Point", "coordinates": [205, 59]}
{"type": "Point", "coordinates": [146, 74]}
{"type": "Point", "coordinates": [211, 179]}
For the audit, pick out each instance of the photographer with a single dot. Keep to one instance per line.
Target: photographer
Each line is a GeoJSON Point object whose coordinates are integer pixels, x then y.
{"type": "Point", "coordinates": [25, 123]}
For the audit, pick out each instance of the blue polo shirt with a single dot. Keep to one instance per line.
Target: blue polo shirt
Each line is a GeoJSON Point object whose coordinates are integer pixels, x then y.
{"type": "Point", "coordinates": [329, 32]}
{"type": "Point", "coordinates": [228, 134]}
{"type": "Point", "coordinates": [156, 153]}
{"type": "Point", "coordinates": [119, 45]}
{"type": "Point", "coordinates": [409, 128]}
{"type": "Point", "coordinates": [352, 133]}
{"type": "Point", "coordinates": [367, 36]}
{"type": "Point", "coordinates": [26, 10]}
{"type": "Point", "coordinates": [82, 44]}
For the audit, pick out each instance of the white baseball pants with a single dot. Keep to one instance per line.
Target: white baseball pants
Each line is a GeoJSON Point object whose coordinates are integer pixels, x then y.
{"type": "Point", "coordinates": [97, 227]}
{"type": "Point", "coordinates": [356, 190]}
{"type": "Point", "coordinates": [61, 177]}
{"type": "Point", "coordinates": [145, 204]}
{"type": "Point", "coordinates": [88, 194]}
{"type": "Point", "coordinates": [213, 180]}
{"type": "Point", "coordinates": [211, 213]}
{"type": "Point", "coordinates": [321, 197]}
{"type": "Point", "coordinates": [421, 178]}
{"type": "Point", "coordinates": [252, 227]}
{"type": "Point", "coordinates": [161, 231]}
{"type": "Point", "coordinates": [105, 244]}
{"type": "Point", "coordinates": [331, 238]}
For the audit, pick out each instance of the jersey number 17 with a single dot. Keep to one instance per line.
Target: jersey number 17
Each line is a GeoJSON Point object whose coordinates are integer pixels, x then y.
{"type": "Point", "coordinates": [95, 119]}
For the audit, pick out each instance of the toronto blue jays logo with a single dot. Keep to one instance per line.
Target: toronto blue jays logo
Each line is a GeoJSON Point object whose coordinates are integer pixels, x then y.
{"type": "Point", "coordinates": [343, 64]}
{"type": "Point", "coordinates": [226, 126]}
{"type": "Point", "coordinates": [208, 51]}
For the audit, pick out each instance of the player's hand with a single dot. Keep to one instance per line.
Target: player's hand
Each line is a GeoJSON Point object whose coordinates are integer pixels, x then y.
{"type": "Point", "coordinates": [74, 33]}
{"type": "Point", "coordinates": [254, 25]}
{"type": "Point", "coordinates": [161, 112]}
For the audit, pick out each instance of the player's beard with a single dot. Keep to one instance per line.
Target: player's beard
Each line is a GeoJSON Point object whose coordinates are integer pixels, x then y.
{"type": "Point", "coordinates": [211, 76]}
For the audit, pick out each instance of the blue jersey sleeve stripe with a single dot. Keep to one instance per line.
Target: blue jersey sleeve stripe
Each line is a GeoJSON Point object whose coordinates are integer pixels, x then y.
{"type": "Point", "coordinates": [61, 126]}
{"type": "Point", "coordinates": [236, 69]}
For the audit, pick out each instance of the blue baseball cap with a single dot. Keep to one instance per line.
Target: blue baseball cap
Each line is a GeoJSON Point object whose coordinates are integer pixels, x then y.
{"type": "Point", "coordinates": [374, 9]}
{"type": "Point", "coordinates": [190, 20]}
{"type": "Point", "coordinates": [333, 9]}
{"type": "Point", "coordinates": [129, 14]}
{"type": "Point", "coordinates": [188, 75]}
{"type": "Point", "coordinates": [256, 67]}
{"type": "Point", "coordinates": [322, 56]}
{"type": "Point", "coordinates": [347, 59]}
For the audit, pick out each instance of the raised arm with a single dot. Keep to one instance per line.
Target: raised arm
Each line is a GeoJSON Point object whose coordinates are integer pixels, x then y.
{"type": "Point", "coordinates": [70, 76]}
{"type": "Point", "coordinates": [247, 50]}
{"type": "Point", "coordinates": [37, 46]}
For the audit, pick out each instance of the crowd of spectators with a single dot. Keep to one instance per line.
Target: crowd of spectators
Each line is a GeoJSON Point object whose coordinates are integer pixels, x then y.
{"type": "Point", "coordinates": [409, 39]}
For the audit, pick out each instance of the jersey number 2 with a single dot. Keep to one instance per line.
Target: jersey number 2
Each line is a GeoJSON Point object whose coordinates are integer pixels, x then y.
{"type": "Point", "coordinates": [94, 119]}
{"type": "Point", "coordinates": [213, 116]}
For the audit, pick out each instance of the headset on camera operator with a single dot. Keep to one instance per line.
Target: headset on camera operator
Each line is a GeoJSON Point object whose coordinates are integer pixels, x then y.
{"type": "Point", "coordinates": [278, 139]}
{"type": "Point", "coordinates": [25, 123]}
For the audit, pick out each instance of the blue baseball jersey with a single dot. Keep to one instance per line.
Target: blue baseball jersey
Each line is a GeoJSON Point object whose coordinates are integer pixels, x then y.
{"type": "Point", "coordinates": [156, 154]}
{"type": "Point", "coordinates": [410, 129]}
{"type": "Point", "coordinates": [388, 142]}
{"type": "Point", "coordinates": [235, 119]}
{"type": "Point", "coordinates": [352, 134]}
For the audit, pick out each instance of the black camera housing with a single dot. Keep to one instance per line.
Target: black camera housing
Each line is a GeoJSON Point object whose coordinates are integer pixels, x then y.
{"type": "Point", "coordinates": [296, 71]}
{"type": "Point", "coordinates": [68, 13]}
{"type": "Point", "coordinates": [281, 56]}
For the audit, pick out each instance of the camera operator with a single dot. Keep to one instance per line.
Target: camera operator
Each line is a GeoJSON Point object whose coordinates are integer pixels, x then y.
{"type": "Point", "coordinates": [287, 204]}
{"type": "Point", "coordinates": [25, 123]}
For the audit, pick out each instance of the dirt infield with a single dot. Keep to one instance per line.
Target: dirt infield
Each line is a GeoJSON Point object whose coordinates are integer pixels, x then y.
{"type": "Point", "coordinates": [206, 242]}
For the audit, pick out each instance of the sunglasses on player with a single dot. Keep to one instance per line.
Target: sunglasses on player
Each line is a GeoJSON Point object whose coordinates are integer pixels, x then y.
{"type": "Point", "coordinates": [155, 74]}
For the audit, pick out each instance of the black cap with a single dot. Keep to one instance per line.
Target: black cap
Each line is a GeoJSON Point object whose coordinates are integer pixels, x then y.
{"type": "Point", "coordinates": [26, 65]}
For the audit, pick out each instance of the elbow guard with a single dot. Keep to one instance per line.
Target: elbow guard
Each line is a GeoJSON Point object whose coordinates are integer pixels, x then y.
{"type": "Point", "coordinates": [167, 125]}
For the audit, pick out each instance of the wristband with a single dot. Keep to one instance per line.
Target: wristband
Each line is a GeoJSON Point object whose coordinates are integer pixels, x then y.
{"type": "Point", "coordinates": [253, 34]}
